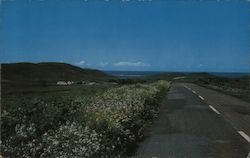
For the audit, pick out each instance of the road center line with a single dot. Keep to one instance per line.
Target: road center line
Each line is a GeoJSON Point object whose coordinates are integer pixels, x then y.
{"type": "Point", "coordinates": [245, 136]}
{"type": "Point", "coordinates": [187, 88]}
{"type": "Point", "coordinates": [216, 111]}
{"type": "Point", "coordinates": [193, 91]}
{"type": "Point", "coordinates": [201, 97]}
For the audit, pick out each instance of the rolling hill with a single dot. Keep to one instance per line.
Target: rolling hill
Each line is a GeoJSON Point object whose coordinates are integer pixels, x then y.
{"type": "Point", "coordinates": [48, 73]}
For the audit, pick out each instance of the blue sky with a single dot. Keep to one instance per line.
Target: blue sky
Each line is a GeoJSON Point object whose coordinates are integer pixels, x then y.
{"type": "Point", "coordinates": [151, 35]}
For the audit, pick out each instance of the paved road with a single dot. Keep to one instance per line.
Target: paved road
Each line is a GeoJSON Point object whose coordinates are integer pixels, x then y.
{"type": "Point", "coordinates": [195, 122]}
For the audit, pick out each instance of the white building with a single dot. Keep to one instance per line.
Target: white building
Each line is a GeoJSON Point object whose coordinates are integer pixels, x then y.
{"type": "Point", "coordinates": [61, 83]}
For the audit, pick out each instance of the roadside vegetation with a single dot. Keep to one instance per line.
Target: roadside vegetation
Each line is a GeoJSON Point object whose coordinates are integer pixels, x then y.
{"type": "Point", "coordinates": [97, 116]}
{"type": "Point", "coordinates": [237, 87]}
{"type": "Point", "coordinates": [104, 122]}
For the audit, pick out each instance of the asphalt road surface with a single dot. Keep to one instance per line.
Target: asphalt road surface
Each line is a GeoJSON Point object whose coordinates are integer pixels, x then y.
{"type": "Point", "coordinates": [195, 122]}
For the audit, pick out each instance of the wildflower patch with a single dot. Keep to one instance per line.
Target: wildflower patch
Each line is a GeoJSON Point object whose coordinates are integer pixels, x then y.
{"type": "Point", "coordinates": [106, 126]}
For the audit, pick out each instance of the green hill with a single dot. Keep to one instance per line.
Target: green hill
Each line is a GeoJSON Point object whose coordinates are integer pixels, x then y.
{"type": "Point", "coordinates": [48, 73]}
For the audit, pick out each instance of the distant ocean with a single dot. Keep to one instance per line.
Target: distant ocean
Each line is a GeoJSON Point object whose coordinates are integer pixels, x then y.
{"type": "Point", "coordinates": [127, 74]}
{"type": "Point", "coordinates": [124, 74]}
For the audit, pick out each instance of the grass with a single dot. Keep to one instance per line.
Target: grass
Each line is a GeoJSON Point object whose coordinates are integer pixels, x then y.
{"type": "Point", "coordinates": [242, 94]}
{"type": "Point", "coordinates": [69, 90]}
{"type": "Point", "coordinates": [77, 120]}
{"type": "Point", "coordinates": [237, 87]}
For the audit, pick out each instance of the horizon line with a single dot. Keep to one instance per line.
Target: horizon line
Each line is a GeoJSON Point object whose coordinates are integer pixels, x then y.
{"type": "Point", "coordinates": [123, 70]}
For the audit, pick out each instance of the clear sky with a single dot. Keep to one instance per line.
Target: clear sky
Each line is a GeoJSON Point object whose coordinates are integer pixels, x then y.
{"type": "Point", "coordinates": [161, 35]}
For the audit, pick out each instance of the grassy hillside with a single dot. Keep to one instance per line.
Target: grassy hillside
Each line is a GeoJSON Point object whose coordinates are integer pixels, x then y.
{"type": "Point", "coordinates": [206, 79]}
{"type": "Point", "coordinates": [48, 73]}
{"type": "Point", "coordinates": [238, 87]}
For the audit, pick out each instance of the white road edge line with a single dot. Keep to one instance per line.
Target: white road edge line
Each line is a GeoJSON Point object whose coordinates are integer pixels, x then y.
{"type": "Point", "coordinates": [245, 136]}
{"type": "Point", "coordinates": [216, 111]}
{"type": "Point", "coordinates": [187, 88]}
{"type": "Point", "coordinates": [201, 97]}
{"type": "Point", "coordinates": [248, 156]}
